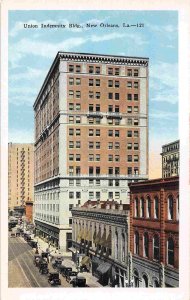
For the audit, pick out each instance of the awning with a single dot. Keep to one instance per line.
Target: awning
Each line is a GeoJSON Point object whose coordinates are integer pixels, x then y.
{"type": "Point", "coordinates": [94, 236]}
{"type": "Point", "coordinates": [98, 238]}
{"type": "Point", "coordinates": [103, 268]}
{"type": "Point", "coordinates": [79, 235]}
{"type": "Point", "coordinates": [89, 236]}
{"type": "Point", "coordinates": [82, 234]}
{"type": "Point", "coordinates": [85, 234]}
{"type": "Point", "coordinates": [103, 239]}
{"type": "Point", "coordinates": [85, 261]}
{"type": "Point", "coordinates": [72, 249]}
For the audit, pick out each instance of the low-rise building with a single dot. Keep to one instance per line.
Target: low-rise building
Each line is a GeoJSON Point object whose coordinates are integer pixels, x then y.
{"type": "Point", "coordinates": [100, 240]}
{"type": "Point", "coordinates": [170, 159]}
{"type": "Point", "coordinates": [154, 232]}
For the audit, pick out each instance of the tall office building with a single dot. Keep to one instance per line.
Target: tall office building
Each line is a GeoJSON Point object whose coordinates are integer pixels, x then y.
{"type": "Point", "coordinates": [20, 174]}
{"type": "Point", "coordinates": [170, 159]}
{"type": "Point", "coordinates": [91, 136]}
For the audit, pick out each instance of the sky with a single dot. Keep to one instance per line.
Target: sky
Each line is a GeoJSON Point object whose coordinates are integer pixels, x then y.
{"type": "Point", "coordinates": [32, 50]}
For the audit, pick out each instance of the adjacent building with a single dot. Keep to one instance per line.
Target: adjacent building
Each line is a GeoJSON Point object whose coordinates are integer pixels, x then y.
{"type": "Point", "coordinates": [154, 232]}
{"type": "Point", "coordinates": [20, 175]}
{"type": "Point", "coordinates": [100, 240]}
{"type": "Point", "coordinates": [170, 159]}
{"type": "Point", "coordinates": [91, 136]}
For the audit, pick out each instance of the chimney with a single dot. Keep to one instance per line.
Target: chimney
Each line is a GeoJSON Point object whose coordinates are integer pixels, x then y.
{"type": "Point", "coordinates": [98, 203]}
{"type": "Point", "coordinates": [113, 204]}
{"type": "Point", "coordinates": [89, 204]}
{"type": "Point", "coordinates": [107, 204]}
{"type": "Point", "coordinates": [120, 205]}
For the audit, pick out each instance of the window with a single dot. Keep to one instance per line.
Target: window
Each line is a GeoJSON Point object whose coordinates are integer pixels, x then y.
{"type": "Point", "coordinates": [136, 158]}
{"type": "Point", "coordinates": [97, 170]}
{"type": "Point", "coordinates": [97, 145]}
{"type": "Point", "coordinates": [77, 144]}
{"type": "Point", "coordinates": [136, 243]}
{"type": "Point", "coordinates": [136, 97]}
{"type": "Point", "coordinates": [156, 247]}
{"type": "Point", "coordinates": [177, 208]}
{"type": "Point", "coordinates": [136, 133]}
{"type": "Point", "coordinates": [91, 82]}
{"type": "Point", "coordinates": [90, 145]}
{"type": "Point", "coordinates": [71, 81]}
{"type": "Point", "coordinates": [71, 94]}
{"type": "Point", "coordinates": [78, 195]}
{"type": "Point", "coordinates": [71, 131]}
{"type": "Point", "coordinates": [116, 71]}
{"type": "Point", "coordinates": [97, 95]}
{"type": "Point", "coordinates": [170, 208]}
{"type": "Point", "coordinates": [110, 108]}
{"type": "Point", "coordinates": [145, 281]}
{"type": "Point", "coordinates": [110, 95]}
{"type": "Point", "coordinates": [77, 170]}
{"type": "Point", "coordinates": [136, 122]}
{"type": "Point", "coordinates": [97, 70]}
{"type": "Point", "coordinates": [129, 133]}
{"type": "Point", "coordinates": [71, 119]}
{"type": "Point", "coordinates": [116, 84]}
{"type": "Point", "coordinates": [110, 157]}
{"type": "Point", "coordinates": [110, 133]}
{"type": "Point", "coordinates": [136, 109]}
{"type": "Point", "coordinates": [116, 182]}
{"type": "Point", "coordinates": [110, 83]}
{"type": "Point", "coordinates": [91, 157]}
{"type": "Point", "coordinates": [129, 97]}
{"type": "Point", "coordinates": [91, 69]}
{"type": "Point", "coordinates": [71, 106]}
{"type": "Point", "coordinates": [117, 170]}
{"type": "Point", "coordinates": [71, 157]}
{"type": "Point", "coordinates": [136, 72]}
{"type": "Point", "coordinates": [110, 182]}
{"type": "Point", "coordinates": [110, 145]}
{"type": "Point", "coordinates": [91, 132]}
{"type": "Point", "coordinates": [129, 158]}
{"type": "Point", "coordinates": [91, 94]}
{"type": "Point", "coordinates": [78, 119]}
{"type": "Point", "coordinates": [110, 171]}
{"type": "Point", "coordinates": [91, 195]}
{"type": "Point", "coordinates": [71, 182]}
{"type": "Point", "coordinates": [78, 106]}
{"type": "Point", "coordinates": [71, 144]}
{"type": "Point", "coordinates": [97, 132]}
{"type": "Point", "coordinates": [116, 245]}
{"type": "Point", "coordinates": [117, 145]}
{"type": "Point", "coordinates": [129, 109]}
{"type": "Point", "coordinates": [77, 131]}
{"type": "Point", "coordinates": [129, 84]}
{"type": "Point", "coordinates": [117, 158]}
{"type": "Point", "coordinates": [97, 107]}
{"type": "Point", "coordinates": [110, 71]}
{"type": "Point", "coordinates": [129, 121]}
{"type": "Point", "coordinates": [71, 195]}
{"type": "Point", "coordinates": [129, 171]}
{"type": "Point", "coordinates": [148, 207]}
{"type": "Point", "coordinates": [91, 182]}
{"type": "Point", "coordinates": [129, 72]}
{"type": "Point", "coordinates": [78, 81]}
{"type": "Point", "coordinates": [142, 208]}
{"type": "Point", "coordinates": [78, 182]}
{"type": "Point", "coordinates": [156, 208]}
{"type": "Point", "coordinates": [146, 245]}
{"type": "Point", "coordinates": [70, 206]}
{"type": "Point", "coordinates": [117, 195]}
{"type": "Point", "coordinates": [117, 108]}
{"type": "Point", "coordinates": [136, 84]}
{"type": "Point", "coordinates": [136, 279]}
{"type": "Point", "coordinates": [77, 157]}
{"type": "Point", "coordinates": [116, 96]}
{"type": "Point", "coordinates": [97, 82]}
{"type": "Point", "coordinates": [129, 146]}
{"type": "Point", "coordinates": [98, 182]}
{"type": "Point", "coordinates": [78, 94]}
{"type": "Point", "coordinates": [71, 68]}
{"type": "Point", "coordinates": [116, 133]}
{"type": "Point", "coordinates": [97, 157]}
{"type": "Point", "coordinates": [91, 107]}
{"type": "Point", "coordinates": [136, 146]}
{"type": "Point", "coordinates": [170, 252]}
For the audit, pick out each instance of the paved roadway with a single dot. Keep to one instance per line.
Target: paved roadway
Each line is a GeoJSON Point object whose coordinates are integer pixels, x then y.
{"type": "Point", "coordinates": [22, 271]}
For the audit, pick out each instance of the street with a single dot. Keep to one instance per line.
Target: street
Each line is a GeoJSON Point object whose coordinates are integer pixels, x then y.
{"type": "Point", "coordinates": [22, 271]}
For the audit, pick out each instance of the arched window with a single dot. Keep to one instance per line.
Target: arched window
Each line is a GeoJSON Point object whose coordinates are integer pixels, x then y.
{"type": "Point", "coordinates": [156, 247]}
{"type": "Point", "coordinates": [142, 208]}
{"type": "Point", "coordinates": [136, 243]}
{"type": "Point", "coordinates": [156, 208]}
{"type": "Point", "coordinates": [146, 245]}
{"type": "Point", "coordinates": [116, 245]}
{"type": "Point", "coordinates": [144, 281]}
{"type": "Point", "coordinates": [136, 207]}
{"type": "Point", "coordinates": [170, 208]}
{"type": "Point", "coordinates": [148, 207]}
{"type": "Point", "coordinates": [136, 278]}
{"type": "Point", "coordinates": [155, 283]}
{"type": "Point", "coordinates": [123, 247]}
{"type": "Point", "coordinates": [177, 208]}
{"type": "Point", "coordinates": [170, 252]}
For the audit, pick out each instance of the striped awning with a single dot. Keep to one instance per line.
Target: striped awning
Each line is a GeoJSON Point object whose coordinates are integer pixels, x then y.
{"type": "Point", "coordinates": [89, 236]}
{"type": "Point", "coordinates": [98, 237]}
{"type": "Point", "coordinates": [102, 241]}
{"type": "Point", "coordinates": [108, 241]}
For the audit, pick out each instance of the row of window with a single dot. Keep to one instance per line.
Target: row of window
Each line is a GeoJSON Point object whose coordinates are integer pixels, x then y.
{"type": "Point", "coordinates": [96, 145]}
{"type": "Point", "coordinates": [94, 195]}
{"type": "Point", "coordinates": [156, 247]}
{"type": "Point", "coordinates": [97, 70]}
{"type": "Point", "coordinates": [97, 83]}
{"type": "Point", "coordinates": [97, 157]}
{"type": "Point", "coordinates": [97, 95]}
{"type": "Point", "coordinates": [97, 170]}
{"type": "Point", "coordinates": [132, 121]}
{"type": "Point", "coordinates": [110, 133]}
{"type": "Point", "coordinates": [143, 208]}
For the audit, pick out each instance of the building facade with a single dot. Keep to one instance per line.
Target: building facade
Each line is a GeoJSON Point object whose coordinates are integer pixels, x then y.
{"type": "Point", "coordinates": [100, 240]}
{"type": "Point", "coordinates": [20, 174]}
{"type": "Point", "coordinates": [91, 136]}
{"type": "Point", "coordinates": [154, 232]}
{"type": "Point", "coordinates": [170, 159]}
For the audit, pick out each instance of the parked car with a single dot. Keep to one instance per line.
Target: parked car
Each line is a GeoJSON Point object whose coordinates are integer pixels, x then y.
{"type": "Point", "coordinates": [70, 275]}
{"type": "Point", "coordinates": [79, 281]}
{"type": "Point", "coordinates": [63, 270]}
{"type": "Point", "coordinates": [43, 268]}
{"type": "Point", "coordinates": [57, 262]}
{"type": "Point", "coordinates": [32, 243]}
{"type": "Point", "coordinates": [37, 258]}
{"type": "Point", "coordinates": [13, 235]}
{"type": "Point", "coordinates": [53, 278]}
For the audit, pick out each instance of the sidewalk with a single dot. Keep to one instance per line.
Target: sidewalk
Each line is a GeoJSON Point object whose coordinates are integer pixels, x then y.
{"type": "Point", "coordinates": [42, 246]}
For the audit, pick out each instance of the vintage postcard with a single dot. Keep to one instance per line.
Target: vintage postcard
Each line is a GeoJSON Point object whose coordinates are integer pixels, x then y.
{"type": "Point", "coordinates": [95, 150]}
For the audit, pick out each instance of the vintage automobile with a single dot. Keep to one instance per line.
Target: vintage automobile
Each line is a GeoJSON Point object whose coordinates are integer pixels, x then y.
{"type": "Point", "coordinates": [63, 270]}
{"type": "Point", "coordinates": [79, 281]}
{"type": "Point", "coordinates": [57, 262]}
{"type": "Point", "coordinates": [70, 275]}
{"type": "Point", "coordinates": [43, 267]}
{"type": "Point", "coordinates": [53, 278]}
{"type": "Point", "coordinates": [33, 244]}
{"type": "Point", "coordinates": [37, 258]}
{"type": "Point", "coordinates": [13, 235]}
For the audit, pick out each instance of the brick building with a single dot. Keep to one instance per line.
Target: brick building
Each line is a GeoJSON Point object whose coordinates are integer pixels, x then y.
{"type": "Point", "coordinates": [170, 159]}
{"type": "Point", "coordinates": [154, 232]}
{"type": "Point", "coordinates": [100, 240]}
{"type": "Point", "coordinates": [29, 211]}
{"type": "Point", "coordinates": [20, 174]}
{"type": "Point", "coordinates": [91, 136]}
